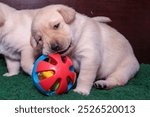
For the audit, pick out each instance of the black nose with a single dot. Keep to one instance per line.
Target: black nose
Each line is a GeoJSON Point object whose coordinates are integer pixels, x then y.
{"type": "Point", "coordinates": [55, 47]}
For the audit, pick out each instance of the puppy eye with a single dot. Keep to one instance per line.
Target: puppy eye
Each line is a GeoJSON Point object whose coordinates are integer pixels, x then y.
{"type": "Point", "coordinates": [56, 26]}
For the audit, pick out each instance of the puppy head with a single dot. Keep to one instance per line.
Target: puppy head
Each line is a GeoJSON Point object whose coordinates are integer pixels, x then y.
{"type": "Point", "coordinates": [51, 29]}
{"type": "Point", "coordinates": [5, 11]}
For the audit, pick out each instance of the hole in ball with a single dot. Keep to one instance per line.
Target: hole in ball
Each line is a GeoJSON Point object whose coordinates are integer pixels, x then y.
{"type": "Point", "coordinates": [45, 74]}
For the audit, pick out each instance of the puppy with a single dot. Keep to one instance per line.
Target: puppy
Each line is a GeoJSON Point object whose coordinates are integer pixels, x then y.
{"type": "Point", "coordinates": [15, 32]}
{"type": "Point", "coordinates": [100, 53]}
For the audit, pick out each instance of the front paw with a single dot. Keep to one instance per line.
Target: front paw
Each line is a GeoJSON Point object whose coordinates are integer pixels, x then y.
{"type": "Point", "coordinates": [82, 91]}
{"type": "Point", "coordinates": [9, 74]}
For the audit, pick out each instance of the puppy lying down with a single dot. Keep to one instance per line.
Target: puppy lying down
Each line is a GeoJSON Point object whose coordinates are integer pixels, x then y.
{"type": "Point", "coordinates": [15, 31]}
{"type": "Point", "coordinates": [100, 54]}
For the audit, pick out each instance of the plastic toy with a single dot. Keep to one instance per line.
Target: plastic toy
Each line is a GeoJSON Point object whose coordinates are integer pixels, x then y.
{"type": "Point", "coordinates": [53, 74]}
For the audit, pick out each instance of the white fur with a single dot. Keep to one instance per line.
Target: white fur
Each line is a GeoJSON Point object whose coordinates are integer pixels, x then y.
{"type": "Point", "coordinates": [98, 51]}
{"type": "Point", "coordinates": [15, 39]}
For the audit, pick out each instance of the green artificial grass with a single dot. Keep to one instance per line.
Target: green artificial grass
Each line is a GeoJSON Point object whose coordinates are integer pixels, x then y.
{"type": "Point", "coordinates": [21, 87]}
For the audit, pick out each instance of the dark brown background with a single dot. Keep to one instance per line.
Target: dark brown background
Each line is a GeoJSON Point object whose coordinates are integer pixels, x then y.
{"type": "Point", "coordinates": [130, 17]}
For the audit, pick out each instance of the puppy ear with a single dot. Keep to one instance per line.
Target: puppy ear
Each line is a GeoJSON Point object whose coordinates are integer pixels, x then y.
{"type": "Point", "coordinates": [67, 13]}
{"type": "Point", "coordinates": [33, 42]}
{"type": "Point", "coordinates": [2, 20]}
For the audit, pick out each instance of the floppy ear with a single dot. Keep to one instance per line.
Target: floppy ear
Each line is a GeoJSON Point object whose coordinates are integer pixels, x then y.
{"type": "Point", "coordinates": [67, 13]}
{"type": "Point", "coordinates": [2, 20]}
{"type": "Point", "coordinates": [33, 42]}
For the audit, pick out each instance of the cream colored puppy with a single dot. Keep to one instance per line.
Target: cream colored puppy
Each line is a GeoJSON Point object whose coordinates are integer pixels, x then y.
{"type": "Point", "coordinates": [15, 32]}
{"type": "Point", "coordinates": [100, 54]}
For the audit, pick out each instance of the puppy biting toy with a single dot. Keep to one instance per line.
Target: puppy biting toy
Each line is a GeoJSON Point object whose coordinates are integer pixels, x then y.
{"type": "Point", "coordinates": [53, 74]}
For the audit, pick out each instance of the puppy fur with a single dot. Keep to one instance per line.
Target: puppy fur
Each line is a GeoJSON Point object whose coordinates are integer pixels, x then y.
{"type": "Point", "coordinates": [100, 54]}
{"type": "Point", "coordinates": [15, 32]}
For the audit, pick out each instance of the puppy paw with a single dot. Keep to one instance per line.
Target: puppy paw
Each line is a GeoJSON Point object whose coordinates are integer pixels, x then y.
{"type": "Point", "coordinates": [82, 91]}
{"type": "Point", "coordinates": [9, 74]}
{"type": "Point", "coordinates": [101, 84]}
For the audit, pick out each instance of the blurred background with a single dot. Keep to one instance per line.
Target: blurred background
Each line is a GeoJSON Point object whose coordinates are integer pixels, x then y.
{"type": "Point", "coordinates": [129, 17]}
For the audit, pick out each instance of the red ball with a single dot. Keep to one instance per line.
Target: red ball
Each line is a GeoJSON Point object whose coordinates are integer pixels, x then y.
{"type": "Point", "coordinates": [63, 73]}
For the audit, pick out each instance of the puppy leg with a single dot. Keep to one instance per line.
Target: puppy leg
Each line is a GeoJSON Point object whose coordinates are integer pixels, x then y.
{"type": "Point", "coordinates": [13, 67]}
{"type": "Point", "coordinates": [27, 60]}
{"type": "Point", "coordinates": [87, 76]}
{"type": "Point", "coordinates": [120, 77]}
{"type": "Point", "coordinates": [115, 79]}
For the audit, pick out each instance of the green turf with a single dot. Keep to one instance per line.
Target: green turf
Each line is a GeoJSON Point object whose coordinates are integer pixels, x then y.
{"type": "Point", "coordinates": [20, 87]}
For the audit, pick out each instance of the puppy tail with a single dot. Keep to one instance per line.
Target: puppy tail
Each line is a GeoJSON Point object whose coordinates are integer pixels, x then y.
{"type": "Point", "coordinates": [102, 19]}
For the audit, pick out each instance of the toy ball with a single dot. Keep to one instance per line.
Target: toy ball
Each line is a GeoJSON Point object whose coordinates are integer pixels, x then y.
{"type": "Point", "coordinates": [53, 74]}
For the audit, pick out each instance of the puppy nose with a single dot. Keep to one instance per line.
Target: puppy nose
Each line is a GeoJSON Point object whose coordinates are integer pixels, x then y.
{"type": "Point", "coordinates": [55, 47]}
